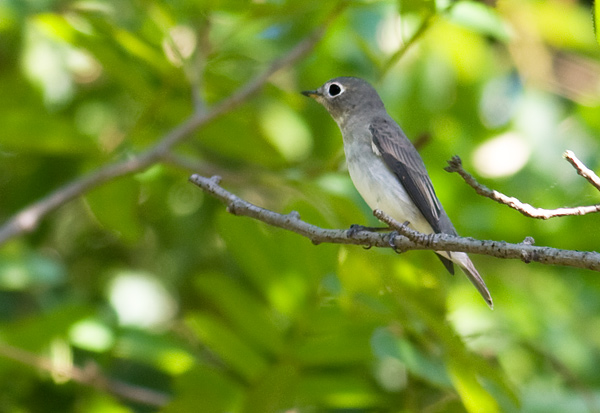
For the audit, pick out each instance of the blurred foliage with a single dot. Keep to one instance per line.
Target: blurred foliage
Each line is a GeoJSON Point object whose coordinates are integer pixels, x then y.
{"type": "Point", "coordinates": [150, 284]}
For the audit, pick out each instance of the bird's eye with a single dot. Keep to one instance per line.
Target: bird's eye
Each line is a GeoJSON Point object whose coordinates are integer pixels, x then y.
{"type": "Point", "coordinates": [334, 90]}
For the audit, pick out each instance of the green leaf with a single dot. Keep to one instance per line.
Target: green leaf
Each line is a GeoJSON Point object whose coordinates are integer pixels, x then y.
{"type": "Point", "coordinates": [474, 397]}
{"type": "Point", "coordinates": [342, 390]}
{"type": "Point", "coordinates": [333, 348]}
{"type": "Point", "coordinates": [34, 333]}
{"type": "Point", "coordinates": [479, 18]}
{"type": "Point", "coordinates": [244, 143]}
{"type": "Point", "coordinates": [426, 367]}
{"type": "Point", "coordinates": [115, 206]}
{"type": "Point", "coordinates": [205, 389]}
{"type": "Point", "coordinates": [422, 7]}
{"type": "Point", "coordinates": [30, 271]}
{"type": "Point", "coordinates": [247, 314]}
{"type": "Point", "coordinates": [596, 15]}
{"type": "Point", "coordinates": [283, 266]}
{"type": "Point", "coordinates": [225, 343]}
{"type": "Point", "coordinates": [287, 131]}
{"type": "Point", "coordinates": [159, 351]}
{"type": "Point", "coordinates": [275, 391]}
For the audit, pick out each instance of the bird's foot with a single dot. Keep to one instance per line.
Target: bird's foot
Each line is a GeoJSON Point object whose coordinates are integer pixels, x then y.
{"type": "Point", "coordinates": [391, 238]}
{"type": "Point", "coordinates": [355, 229]}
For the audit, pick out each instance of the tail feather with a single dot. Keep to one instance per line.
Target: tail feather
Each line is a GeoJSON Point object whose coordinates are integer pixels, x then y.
{"type": "Point", "coordinates": [464, 262]}
{"type": "Point", "coordinates": [447, 263]}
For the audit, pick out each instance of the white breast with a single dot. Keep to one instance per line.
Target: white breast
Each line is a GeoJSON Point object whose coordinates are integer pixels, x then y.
{"type": "Point", "coordinates": [379, 187]}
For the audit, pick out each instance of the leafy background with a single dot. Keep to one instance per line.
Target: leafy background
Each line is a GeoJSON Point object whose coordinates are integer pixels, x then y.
{"type": "Point", "coordinates": [145, 295]}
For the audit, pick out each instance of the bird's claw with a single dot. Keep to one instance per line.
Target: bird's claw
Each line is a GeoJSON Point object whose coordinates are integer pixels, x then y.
{"type": "Point", "coordinates": [391, 238]}
{"type": "Point", "coordinates": [356, 228]}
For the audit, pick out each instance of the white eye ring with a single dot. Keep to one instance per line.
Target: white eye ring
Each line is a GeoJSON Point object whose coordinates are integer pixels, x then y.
{"type": "Point", "coordinates": [334, 89]}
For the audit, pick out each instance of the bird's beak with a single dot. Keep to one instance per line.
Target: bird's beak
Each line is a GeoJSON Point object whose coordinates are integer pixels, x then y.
{"type": "Point", "coordinates": [311, 93]}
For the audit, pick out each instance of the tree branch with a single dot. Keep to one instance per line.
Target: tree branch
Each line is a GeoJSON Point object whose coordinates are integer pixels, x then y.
{"type": "Point", "coordinates": [29, 217]}
{"type": "Point", "coordinates": [409, 240]}
{"type": "Point", "coordinates": [455, 165]}
{"type": "Point", "coordinates": [89, 375]}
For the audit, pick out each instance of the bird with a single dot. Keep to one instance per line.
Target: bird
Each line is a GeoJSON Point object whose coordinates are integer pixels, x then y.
{"type": "Point", "coordinates": [386, 168]}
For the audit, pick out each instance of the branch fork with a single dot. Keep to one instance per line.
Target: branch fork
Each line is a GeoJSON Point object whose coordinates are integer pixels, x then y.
{"type": "Point", "coordinates": [404, 238]}
{"type": "Point", "coordinates": [455, 165]}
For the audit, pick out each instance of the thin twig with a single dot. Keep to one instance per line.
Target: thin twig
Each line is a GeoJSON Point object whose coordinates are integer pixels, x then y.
{"type": "Point", "coordinates": [524, 251]}
{"type": "Point", "coordinates": [28, 218]}
{"type": "Point", "coordinates": [198, 64]}
{"type": "Point", "coordinates": [582, 169]}
{"type": "Point", "coordinates": [395, 58]}
{"type": "Point", "coordinates": [89, 375]}
{"type": "Point", "coordinates": [455, 165]}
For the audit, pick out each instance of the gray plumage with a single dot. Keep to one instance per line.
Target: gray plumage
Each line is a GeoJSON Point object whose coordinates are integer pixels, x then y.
{"type": "Point", "coordinates": [386, 168]}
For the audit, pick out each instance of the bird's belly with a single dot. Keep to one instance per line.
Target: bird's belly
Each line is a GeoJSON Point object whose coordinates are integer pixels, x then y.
{"type": "Point", "coordinates": [381, 189]}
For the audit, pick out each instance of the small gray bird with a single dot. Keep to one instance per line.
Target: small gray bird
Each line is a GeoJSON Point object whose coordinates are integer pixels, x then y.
{"type": "Point", "coordinates": [386, 168]}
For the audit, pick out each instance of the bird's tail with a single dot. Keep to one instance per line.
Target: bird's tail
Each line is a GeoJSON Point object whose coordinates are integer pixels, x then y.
{"type": "Point", "coordinates": [464, 262]}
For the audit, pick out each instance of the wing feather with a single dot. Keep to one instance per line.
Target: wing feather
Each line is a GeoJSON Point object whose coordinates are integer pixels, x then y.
{"type": "Point", "coordinates": [404, 161]}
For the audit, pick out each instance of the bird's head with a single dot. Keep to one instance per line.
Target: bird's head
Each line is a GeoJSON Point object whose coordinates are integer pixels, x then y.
{"type": "Point", "coordinates": [345, 97]}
